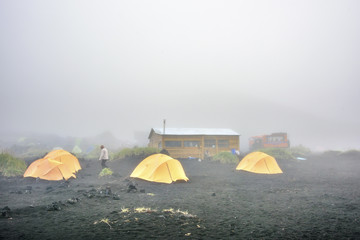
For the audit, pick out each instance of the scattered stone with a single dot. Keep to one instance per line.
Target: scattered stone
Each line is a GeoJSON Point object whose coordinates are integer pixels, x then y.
{"type": "Point", "coordinates": [116, 197]}
{"type": "Point", "coordinates": [73, 200]}
{"type": "Point", "coordinates": [101, 193]}
{"type": "Point", "coordinates": [213, 194]}
{"type": "Point", "coordinates": [55, 206]}
{"type": "Point", "coordinates": [131, 187]}
{"type": "Point", "coordinates": [108, 191]}
{"type": "Point", "coordinates": [64, 184]}
{"type": "Point", "coordinates": [5, 212]}
{"type": "Point", "coordinates": [89, 195]}
{"type": "Point", "coordinates": [16, 192]}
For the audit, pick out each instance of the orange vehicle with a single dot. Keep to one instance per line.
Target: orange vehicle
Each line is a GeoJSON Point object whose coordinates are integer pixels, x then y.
{"type": "Point", "coordinates": [274, 140]}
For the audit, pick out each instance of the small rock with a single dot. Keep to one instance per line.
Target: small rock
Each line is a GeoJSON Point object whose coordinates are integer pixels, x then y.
{"type": "Point", "coordinates": [53, 207]}
{"type": "Point", "coordinates": [5, 212]}
{"type": "Point", "coordinates": [108, 191]}
{"type": "Point", "coordinates": [131, 188]}
{"type": "Point", "coordinates": [116, 197]}
{"type": "Point", "coordinates": [73, 200]}
{"type": "Point", "coordinates": [89, 195]}
{"type": "Point", "coordinates": [65, 184]}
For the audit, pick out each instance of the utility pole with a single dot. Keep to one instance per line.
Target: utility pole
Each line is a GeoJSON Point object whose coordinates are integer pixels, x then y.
{"type": "Point", "coordinates": [164, 123]}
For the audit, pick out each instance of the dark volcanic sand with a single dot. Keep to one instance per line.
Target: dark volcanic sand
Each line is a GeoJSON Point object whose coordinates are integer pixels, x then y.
{"type": "Point", "coordinates": [314, 199]}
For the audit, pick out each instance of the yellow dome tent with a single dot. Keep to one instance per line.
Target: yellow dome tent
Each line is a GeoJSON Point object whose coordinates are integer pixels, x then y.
{"type": "Point", "coordinates": [259, 162]}
{"type": "Point", "coordinates": [65, 157]}
{"type": "Point", "coordinates": [160, 168]}
{"type": "Point", "coordinates": [48, 169]}
{"type": "Point", "coordinates": [56, 165]}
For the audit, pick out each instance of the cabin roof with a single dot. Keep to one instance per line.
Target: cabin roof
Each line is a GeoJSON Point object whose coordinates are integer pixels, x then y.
{"type": "Point", "coordinates": [196, 131]}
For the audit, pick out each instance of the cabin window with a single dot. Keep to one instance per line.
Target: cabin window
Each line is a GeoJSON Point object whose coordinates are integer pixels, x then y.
{"type": "Point", "coordinates": [275, 139]}
{"type": "Point", "coordinates": [191, 143]}
{"type": "Point", "coordinates": [210, 143]}
{"type": "Point", "coordinates": [223, 143]}
{"type": "Point", "coordinates": [172, 144]}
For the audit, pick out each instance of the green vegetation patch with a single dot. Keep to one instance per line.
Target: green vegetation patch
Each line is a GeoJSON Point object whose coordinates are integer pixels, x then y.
{"type": "Point", "coordinates": [300, 151]}
{"type": "Point", "coordinates": [225, 157]}
{"type": "Point", "coordinates": [11, 166]}
{"type": "Point", "coordinates": [105, 172]}
{"type": "Point", "coordinates": [287, 153]}
{"type": "Point", "coordinates": [278, 153]}
{"type": "Point", "coordinates": [136, 152]}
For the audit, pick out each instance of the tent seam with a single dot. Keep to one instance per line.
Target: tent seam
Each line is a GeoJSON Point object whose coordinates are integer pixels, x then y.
{"type": "Point", "coordinates": [267, 166]}
{"type": "Point", "coordinates": [169, 172]}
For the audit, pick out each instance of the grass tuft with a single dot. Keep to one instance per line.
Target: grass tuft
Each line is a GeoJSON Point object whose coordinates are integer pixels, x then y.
{"type": "Point", "coordinates": [136, 152]}
{"type": "Point", "coordinates": [225, 157]}
{"type": "Point", "coordinates": [11, 166]}
{"type": "Point", "coordinates": [105, 172]}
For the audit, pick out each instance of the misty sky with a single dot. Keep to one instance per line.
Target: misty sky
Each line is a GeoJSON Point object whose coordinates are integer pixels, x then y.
{"type": "Point", "coordinates": [78, 68]}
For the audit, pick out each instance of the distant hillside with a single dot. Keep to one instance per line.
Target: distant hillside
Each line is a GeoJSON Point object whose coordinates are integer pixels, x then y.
{"type": "Point", "coordinates": [38, 144]}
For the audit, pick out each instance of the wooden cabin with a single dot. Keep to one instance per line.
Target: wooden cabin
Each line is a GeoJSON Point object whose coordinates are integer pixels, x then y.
{"type": "Point", "coordinates": [194, 142]}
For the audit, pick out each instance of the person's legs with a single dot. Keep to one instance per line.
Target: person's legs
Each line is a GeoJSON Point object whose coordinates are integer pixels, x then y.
{"type": "Point", "coordinates": [103, 163]}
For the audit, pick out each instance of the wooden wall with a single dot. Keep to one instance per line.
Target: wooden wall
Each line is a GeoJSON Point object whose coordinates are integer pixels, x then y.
{"type": "Point", "coordinates": [207, 145]}
{"type": "Point", "coordinates": [155, 140]}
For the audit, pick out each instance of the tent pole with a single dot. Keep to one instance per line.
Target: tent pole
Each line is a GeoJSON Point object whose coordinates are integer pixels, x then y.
{"type": "Point", "coordinates": [169, 172]}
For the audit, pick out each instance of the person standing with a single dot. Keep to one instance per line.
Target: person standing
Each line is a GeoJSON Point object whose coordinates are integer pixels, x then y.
{"type": "Point", "coordinates": [104, 156]}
